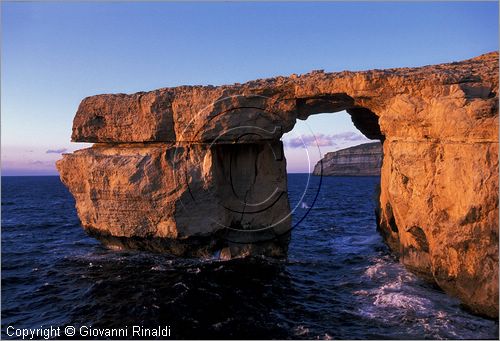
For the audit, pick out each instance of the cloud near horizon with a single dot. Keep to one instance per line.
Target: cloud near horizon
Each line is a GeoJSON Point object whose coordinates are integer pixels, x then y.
{"type": "Point", "coordinates": [323, 140]}
{"type": "Point", "coordinates": [56, 151]}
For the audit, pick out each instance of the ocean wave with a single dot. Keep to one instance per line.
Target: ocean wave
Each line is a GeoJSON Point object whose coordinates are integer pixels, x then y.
{"type": "Point", "coordinates": [338, 282]}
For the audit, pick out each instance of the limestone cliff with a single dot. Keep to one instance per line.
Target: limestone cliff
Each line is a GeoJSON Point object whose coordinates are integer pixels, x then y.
{"type": "Point", "coordinates": [195, 170]}
{"type": "Point", "coordinates": [361, 160]}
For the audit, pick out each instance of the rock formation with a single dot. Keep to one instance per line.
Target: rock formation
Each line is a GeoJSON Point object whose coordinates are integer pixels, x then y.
{"type": "Point", "coordinates": [198, 170]}
{"type": "Point", "coordinates": [361, 160]}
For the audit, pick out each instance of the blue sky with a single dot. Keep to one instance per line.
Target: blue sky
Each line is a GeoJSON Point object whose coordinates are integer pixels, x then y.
{"type": "Point", "coordinates": [55, 54]}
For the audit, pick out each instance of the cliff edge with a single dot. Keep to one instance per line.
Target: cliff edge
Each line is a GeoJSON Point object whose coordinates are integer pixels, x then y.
{"type": "Point", "coordinates": [361, 160]}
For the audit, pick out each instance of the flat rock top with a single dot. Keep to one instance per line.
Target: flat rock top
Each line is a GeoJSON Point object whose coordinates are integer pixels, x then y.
{"type": "Point", "coordinates": [481, 68]}
{"type": "Point", "coordinates": [370, 147]}
{"type": "Point", "coordinates": [269, 107]}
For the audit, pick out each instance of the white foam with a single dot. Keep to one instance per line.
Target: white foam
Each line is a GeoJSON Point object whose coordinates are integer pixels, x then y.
{"type": "Point", "coordinates": [400, 300]}
{"type": "Point", "coordinates": [181, 285]}
{"type": "Point", "coordinates": [375, 270]}
{"type": "Point", "coordinates": [194, 271]}
{"type": "Point", "coordinates": [158, 268]}
{"type": "Point", "coordinates": [301, 330]}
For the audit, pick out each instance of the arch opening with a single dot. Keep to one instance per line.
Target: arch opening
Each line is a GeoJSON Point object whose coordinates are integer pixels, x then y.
{"type": "Point", "coordinates": [316, 134]}
{"type": "Point", "coordinates": [364, 119]}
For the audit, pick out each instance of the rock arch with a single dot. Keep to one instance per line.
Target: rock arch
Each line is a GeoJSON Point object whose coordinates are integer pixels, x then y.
{"type": "Point", "coordinates": [439, 183]}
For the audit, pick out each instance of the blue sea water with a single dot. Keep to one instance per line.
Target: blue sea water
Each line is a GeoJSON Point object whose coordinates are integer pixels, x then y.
{"type": "Point", "coordinates": [339, 281]}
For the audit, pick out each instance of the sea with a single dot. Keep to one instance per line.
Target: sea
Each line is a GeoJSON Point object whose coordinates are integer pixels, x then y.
{"type": "Point", "coordinates": [339, 281]}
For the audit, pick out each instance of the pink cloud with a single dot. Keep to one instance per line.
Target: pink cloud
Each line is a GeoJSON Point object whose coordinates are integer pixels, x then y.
{"type": "Point", "coordinates": [323, 140]}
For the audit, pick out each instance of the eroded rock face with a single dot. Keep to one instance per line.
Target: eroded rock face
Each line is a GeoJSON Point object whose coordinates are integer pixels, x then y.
{"type": "Point", "coordinates": [158, 177]}
{"type": "Point", "coordinates": [440, 214]}
{"type": "Point", "coordinates": [361, 160]}
{"type": "Point", "coordinates": [186, 199]}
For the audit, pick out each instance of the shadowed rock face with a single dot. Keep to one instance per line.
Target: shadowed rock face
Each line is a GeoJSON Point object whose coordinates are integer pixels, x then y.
{"type": "Point", "coordinates": [362, 160]}
{"type": "Point", "coordinates": [198, 170]}
{"type": "Point", "coordinates": [188, 199]}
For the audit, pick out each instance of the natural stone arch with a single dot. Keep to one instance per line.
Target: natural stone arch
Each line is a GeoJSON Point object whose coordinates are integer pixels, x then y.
{"type": "Point", "coordinates": [439, 126]}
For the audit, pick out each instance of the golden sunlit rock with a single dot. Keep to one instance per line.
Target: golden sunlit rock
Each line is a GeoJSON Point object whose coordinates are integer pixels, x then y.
{"type": "Point", "coordinates": [187, 169]}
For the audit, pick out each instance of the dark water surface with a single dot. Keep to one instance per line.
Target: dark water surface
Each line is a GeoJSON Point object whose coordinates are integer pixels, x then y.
{"type": "Point", "coordinates": [340, 281]}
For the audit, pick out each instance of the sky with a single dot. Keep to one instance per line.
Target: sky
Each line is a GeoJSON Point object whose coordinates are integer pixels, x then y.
{"type": "Point", "coordinates": [56, 53]}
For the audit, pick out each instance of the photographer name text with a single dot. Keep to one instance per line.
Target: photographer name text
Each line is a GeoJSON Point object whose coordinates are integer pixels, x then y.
{"type": "Point", "coordinates": [86, 331]}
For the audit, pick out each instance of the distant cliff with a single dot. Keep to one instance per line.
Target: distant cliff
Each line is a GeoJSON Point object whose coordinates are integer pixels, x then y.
{"type": "Point", "coordinates": [362, 160]}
